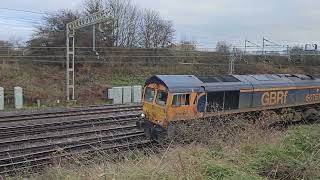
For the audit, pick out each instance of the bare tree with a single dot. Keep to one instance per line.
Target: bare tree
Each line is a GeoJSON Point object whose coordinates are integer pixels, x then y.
{"type": "Point", "coordinates": [92, 6]}
{"type": "Point", "coordinates": [15, 41]}
{"type": "Point", "coordinates": [154, 32]}
{"type": "Point", "coordinates": [5, 47]}
{"type": "Point", "coordinates": [296, 54]}
{"type": "Point", "coordinates": [138, 28]}
{"type": "Point", "coordinates": [53, 32]}
{"type": "Point", "coordinates": [223, 47]}
{"type": "Point", "coordinates": [125, 17]}
{"type": "Point", "coordinates": [167, 33]}
{"type": "Point", "coordinates": [296, 50]}
{"type": "Point", "coordinates": [131, 27]}
{"type": "Point", "coordinates": [147, 28]}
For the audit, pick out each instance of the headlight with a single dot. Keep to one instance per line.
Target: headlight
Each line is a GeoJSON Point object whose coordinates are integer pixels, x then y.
{"type": "Point", "coordinates": [142, 115]}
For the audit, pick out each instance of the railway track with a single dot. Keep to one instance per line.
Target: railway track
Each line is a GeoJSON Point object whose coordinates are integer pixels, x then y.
{"type": "Point", "coordinates": [35, 139]}
{"type": "Point", "coordinates": [39, 128]}
{"type": "Point", "coordinates": [56, 113]}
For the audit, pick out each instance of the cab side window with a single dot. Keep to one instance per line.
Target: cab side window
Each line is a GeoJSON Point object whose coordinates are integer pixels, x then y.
{"type": "Point", "coordinates": [181, 100]}
{"type": "Point", "coordinates": [161, 98]}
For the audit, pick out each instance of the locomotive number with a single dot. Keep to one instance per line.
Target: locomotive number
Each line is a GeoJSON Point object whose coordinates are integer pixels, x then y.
{"type": "Point", "coordinates": [312, 97]}
{"type": "Point", "coordinates": [274, 98]}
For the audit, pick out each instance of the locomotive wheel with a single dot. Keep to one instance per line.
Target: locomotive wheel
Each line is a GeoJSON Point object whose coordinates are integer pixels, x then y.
{"type": "Point", "coordinates": [311, 115]}
{"type": "Point", "coordinates": [171, 131]}
{"type": "Point", "coordinates": [161, 138]}
{"type": "Point", "coordinates": [159, 134]}
{"type": "Point", "coordinates": [147, 129]}
{"type": "Point", "coordinates": [268, 119]}
{"type": "Point", "coordinates": [147, 132]}
{"type": "Point", "coordinates": [290, 115]}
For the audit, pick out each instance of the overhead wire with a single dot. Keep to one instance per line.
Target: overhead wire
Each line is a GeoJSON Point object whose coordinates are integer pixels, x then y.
{"type": "Point", "coordinates": [19, 20]}
{"type": "Point", "coordinates": [16, 25]}
{"type": "Point", "coordinates": [22, 10]}
{"type": "Point", "coordinates": [22, 18]}
{"type": "Point", "coordinates": [272, 54]}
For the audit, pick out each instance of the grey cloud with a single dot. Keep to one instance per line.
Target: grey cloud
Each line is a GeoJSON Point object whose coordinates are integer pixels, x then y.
{"type": "Point", "coordinates": [208, 21]}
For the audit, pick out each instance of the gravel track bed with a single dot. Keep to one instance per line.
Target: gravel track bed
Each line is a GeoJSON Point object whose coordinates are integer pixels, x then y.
{"type": "Point", "coordinates": [49, 138]}
{"type": "Point", "coordinates": [36, 138]}
{"type": "Point", "coordinates": [26, 163]}
{"type": "Point", "coordinates": [10, 152]}
{"type": "Point", "coordinates": [69, 148]}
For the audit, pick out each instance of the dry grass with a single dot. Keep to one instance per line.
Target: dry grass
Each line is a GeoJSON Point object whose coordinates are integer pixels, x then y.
{"type": "Point", "coordinates": [47, 82]}
{"type": "Point", "coordinates": [234, 149]}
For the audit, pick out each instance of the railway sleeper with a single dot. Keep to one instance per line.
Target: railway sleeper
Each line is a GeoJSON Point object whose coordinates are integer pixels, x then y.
{"type": "Point", "coordinates": [21, 150]}
{"type": "Point", "coordinates": [68, 149]}
{"type": "Point", "coordinates": [14, 167]}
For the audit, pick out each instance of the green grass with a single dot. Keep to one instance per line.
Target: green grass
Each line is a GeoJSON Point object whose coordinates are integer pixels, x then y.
{"type": "Point", "coordinates": [220, 172]}
{"type": "Point", "coordinates": [294, 154]}
{"type": "Point", "coordinates": [127, 81]}
{"type": "Point", "coordinates": [297, 156]}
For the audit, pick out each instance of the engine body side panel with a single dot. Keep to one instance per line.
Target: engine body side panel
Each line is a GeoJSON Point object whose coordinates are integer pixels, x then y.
{"type": "Point", "coordinates": [246, 93]}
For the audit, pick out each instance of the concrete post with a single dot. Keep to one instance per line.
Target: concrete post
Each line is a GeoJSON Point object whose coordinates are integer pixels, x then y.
{"type": "Point", "coordinates": [110, 94]}
{"type": "Point", "coordinates": [136, 94]}
{"type": "Point", "coordinates": [39, 103]}
{"type": "Point", "coordinates": [18, 97]}
{"type": "Point", "coordinates": [1, 99]}
{"type": "Point", "coordinates": [127, 95]}
{"type": "Point", "coordinates": [117, 95]}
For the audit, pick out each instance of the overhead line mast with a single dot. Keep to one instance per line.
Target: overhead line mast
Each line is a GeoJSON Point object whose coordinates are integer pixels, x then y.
{"type": "Point", "coordinates": [270, 44]}
{"type": "Point", "coordinates": [91, 20]}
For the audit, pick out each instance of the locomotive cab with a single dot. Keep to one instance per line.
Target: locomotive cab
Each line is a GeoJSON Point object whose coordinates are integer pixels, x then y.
{"type": "Point", "coordinates": [155, 101]}
{"type": "Point", "coordinates": [163, 105]}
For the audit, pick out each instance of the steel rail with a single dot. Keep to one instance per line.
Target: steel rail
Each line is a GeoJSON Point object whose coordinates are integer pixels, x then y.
{"type": "Point", "coordinates": [68, 135]}
{"type": "Point", "coordinates": [65, 122]}
{"type": "Point", "coordinates": [27, 164]}
{"type": "Point", "coordinates": [11, 152]}
{"type": "Point", "coordinates": [15, 131]}
{"type": "Point", "coordinates": [62, 110]}
{"type": "Point", "coordinates": [26, 156]}
{"type": "Point", "coordinates": [33, 140]}
{"type": "Point", "coordinates": [67, 114]}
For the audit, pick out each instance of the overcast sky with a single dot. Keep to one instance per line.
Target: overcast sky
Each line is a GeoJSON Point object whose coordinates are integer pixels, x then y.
{"type": "Point", "coordinates": [203, 21]}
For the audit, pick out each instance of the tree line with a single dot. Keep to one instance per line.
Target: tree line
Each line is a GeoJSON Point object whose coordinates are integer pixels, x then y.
{"type": "Point", "coordinates": [131, 27]}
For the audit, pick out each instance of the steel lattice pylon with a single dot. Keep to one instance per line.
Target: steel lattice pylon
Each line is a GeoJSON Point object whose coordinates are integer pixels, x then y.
{"type": "Point", "coordinates": [91, 20]}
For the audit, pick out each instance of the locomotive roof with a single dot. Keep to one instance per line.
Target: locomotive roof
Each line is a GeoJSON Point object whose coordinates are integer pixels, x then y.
{"type": "Point", "coordinates": [177, 82]}
{"type": "Point", "coordinates": [187, 83]}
